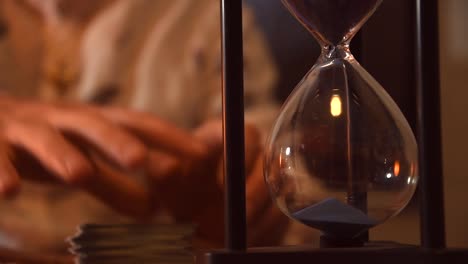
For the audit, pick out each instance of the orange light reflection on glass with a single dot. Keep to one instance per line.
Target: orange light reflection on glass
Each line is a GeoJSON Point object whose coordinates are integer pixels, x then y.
{"type": "Point", "coordinates": [396, 168]}
{"type": "Point", "coordinates": [335, 105]}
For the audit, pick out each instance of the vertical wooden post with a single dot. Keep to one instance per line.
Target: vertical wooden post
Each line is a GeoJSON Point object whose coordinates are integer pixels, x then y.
{"type": "Point", "coordinates": [429, 125]}
{"type": "Point", "coordinates": [233, 125]}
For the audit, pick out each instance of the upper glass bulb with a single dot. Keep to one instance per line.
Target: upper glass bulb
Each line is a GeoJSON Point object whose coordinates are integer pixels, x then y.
{"type": "Point", "coordinates": [341, 157]}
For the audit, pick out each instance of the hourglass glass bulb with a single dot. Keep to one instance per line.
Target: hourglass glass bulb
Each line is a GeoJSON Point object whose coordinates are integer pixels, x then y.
{"type": "Point", "coordinates": [334, 21]}
{"type": "Point", "coordinates": [341, 157]}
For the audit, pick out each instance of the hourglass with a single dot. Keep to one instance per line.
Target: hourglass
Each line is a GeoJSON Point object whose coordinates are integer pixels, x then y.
{"type": "Point", "coordinates": [341, 157]}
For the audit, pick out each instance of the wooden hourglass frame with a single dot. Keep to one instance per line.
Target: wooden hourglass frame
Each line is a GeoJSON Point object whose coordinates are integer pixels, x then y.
{"type": "Point", "coordinates": [432, 248]}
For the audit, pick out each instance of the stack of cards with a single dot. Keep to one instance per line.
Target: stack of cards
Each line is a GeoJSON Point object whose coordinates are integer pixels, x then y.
{"type": "Point", "coordinates": [115, 244]}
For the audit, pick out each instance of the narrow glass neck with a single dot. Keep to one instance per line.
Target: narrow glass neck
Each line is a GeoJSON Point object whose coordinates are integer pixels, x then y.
{"type": "Point", "coordinates": [340, 51]}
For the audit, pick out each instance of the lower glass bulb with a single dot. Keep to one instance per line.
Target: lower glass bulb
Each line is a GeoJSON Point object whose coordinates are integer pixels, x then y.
{"type": "Point", "coordinates": [341, 157]}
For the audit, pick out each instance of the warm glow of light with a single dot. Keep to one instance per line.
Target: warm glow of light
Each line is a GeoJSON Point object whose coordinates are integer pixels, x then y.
{"type": "Point", "coordinates": [335, 105]}
{"type": "Point", "coordinates": [396, 168]}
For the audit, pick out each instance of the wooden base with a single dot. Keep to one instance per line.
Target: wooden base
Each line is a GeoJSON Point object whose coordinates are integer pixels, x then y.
{"type": "Point", "coordinates": [375, 253]}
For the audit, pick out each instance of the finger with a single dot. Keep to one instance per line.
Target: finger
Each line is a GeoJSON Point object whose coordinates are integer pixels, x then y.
{"type": "Point", "coordinates": [9, 178]}
{"type": "Point", "coordinates": [115, 143]}
{"type": "Point", "coordinates": [179, 187]}
{"type": "Point", "coordinates": [119, 191]}
{"type": "Point", "coordinates": [257, 195]}
{"type": "Point", "coordinates": [211, 134]}
{"type": "Point", "coordinates": [167, 184]}
{"type": "Point", "coordinates": [161, 166]}
{"type": "Point", "coordinates": [252, 147]}
{"type": "Point", "coordinates": [157, 132]}
{"type": "Point", "coordinates": [30, 168]}
{"type": "Point", "coordinates": [50, 148]}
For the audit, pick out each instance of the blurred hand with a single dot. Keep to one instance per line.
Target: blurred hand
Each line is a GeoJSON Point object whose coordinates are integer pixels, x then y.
{"type": "Point", "coordinates": [98, 149]}
{"type": "Point", "coordinates": [88, 147]}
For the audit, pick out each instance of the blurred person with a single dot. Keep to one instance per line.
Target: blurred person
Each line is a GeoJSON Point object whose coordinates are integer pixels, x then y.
{"type": "Point", "coordinates": [118, 101]}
